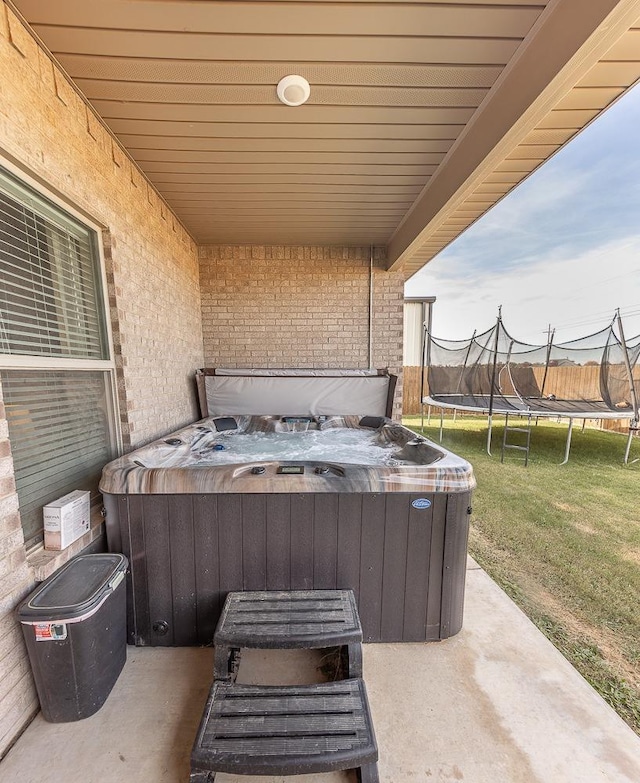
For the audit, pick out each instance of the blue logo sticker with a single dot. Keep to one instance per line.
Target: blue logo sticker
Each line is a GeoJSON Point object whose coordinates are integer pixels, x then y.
{"type": "Point", "coordinates": [421, 503]}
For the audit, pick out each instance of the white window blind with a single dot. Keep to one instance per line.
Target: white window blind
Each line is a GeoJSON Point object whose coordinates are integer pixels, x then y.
{"type": "Point", "coordinates": [60, 435]}
{"type": "Point", "coordinates": [50, 297]}
{"type": "Point", "coordinates": [61, 420]}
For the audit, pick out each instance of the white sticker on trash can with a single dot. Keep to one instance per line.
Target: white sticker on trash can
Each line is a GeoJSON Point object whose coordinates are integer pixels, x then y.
{"type": "Point", "coordinates": [50, 632]}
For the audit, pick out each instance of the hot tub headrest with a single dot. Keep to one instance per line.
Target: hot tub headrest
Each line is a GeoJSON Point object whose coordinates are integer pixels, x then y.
{"type": "Point", "coordinates": [373, 422]}
{"type": "Point", "coordinates": [225, 423]}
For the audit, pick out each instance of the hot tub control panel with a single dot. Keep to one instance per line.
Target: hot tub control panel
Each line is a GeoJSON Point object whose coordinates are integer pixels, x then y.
{"type": "Point", "coordinates": [267, 470]}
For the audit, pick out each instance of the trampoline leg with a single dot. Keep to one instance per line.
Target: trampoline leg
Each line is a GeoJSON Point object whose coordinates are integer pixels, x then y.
{"type": "Point", "coordinates": [568, 444]}
{"type": "Point", "coordinates": [455, 413]}
{"type": "Point", "coordinates": [422, 419]}
{"type": "Point", "coordinates": [428, 415]}
{"type": "Point", "coordinates": [489, 435]}
{"type": "Point", "coordinates": [441, 422]}
{"type": "Point", "coordinates": [584, 424]}
{"type": "Point", "coordinates": [633, 427]}
{"type": "Point", "coordinates": [628, 449]}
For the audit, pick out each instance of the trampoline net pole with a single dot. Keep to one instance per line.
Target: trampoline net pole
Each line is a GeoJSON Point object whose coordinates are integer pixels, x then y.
{"type": "Point", "coordinates": [493, 376]}
{"type": "Point", "coordinates": [425, 354]}
{"type": "Point", "coordinates": [627, 363]}
{"type": "Point", "coordinates": [546, 365]}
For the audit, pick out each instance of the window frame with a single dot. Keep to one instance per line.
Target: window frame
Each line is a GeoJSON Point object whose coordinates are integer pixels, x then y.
{"type": "Point", "coordinates": [40, 362]}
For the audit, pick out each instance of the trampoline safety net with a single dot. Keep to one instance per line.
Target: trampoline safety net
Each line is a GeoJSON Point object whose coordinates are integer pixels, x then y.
{"type": "Point", "coordinates": [597, 376]}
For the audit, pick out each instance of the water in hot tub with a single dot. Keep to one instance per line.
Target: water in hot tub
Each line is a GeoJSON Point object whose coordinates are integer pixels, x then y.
{"type": "Point", "coordinates": [353, 446]}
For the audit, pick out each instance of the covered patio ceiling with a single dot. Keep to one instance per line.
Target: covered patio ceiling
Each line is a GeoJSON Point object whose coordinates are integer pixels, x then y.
{"type": "Point", "coordinates": [422, 114]}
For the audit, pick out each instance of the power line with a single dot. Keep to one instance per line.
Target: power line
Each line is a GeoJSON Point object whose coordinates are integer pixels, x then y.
{"type": "Point", "coordinates": [604, 252]}
{"type": "Point", "coordinates": [583, 324]}
{"type": "Point", "coordinates": [598, 317]}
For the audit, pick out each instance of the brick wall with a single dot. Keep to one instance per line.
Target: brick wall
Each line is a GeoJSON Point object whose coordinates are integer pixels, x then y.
{"type": "Point", "coordinates": [388, 325]}
{"type": "Point", "coordinates": [152, 273]}
{"type": "Point", "coordinates": [17, 694]}
{"type": "Point", "coordinates": [274, 306]}
{"type": "Point", "coordinates": [269, 306]}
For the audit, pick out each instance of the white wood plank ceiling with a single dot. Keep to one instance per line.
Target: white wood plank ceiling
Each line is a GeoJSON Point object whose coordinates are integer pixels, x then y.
{"type": "Point", "coordinates": [421, 116]}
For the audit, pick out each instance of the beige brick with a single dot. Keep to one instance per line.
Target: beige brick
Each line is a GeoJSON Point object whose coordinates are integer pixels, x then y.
{"type": "Point", "coordinates": [302, 306]}
{"type": "Point", "coordinates": [17, 710]}
{"type": "Point", "coordinates": [118, 156]}
{"type": "Point", "coordinates": [21, 40]}
{"type": "Point", "coordinates": [64, 90]}
{"type": "Point", "coordinates": [7, 486]}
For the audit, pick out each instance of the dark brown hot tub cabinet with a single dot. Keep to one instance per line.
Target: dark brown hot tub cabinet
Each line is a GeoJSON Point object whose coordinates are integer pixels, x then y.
{"type": "Point", "coordinates": [406, 565]}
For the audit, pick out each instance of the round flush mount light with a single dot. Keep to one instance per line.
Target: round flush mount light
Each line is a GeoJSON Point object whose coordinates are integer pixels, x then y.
{"type": "Point", "coordinates": [293, 90]}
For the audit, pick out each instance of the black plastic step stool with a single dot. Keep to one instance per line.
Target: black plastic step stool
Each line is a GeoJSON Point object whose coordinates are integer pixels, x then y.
{"type": "Point", "coordinates": [285, 730]}
{"type": "Point", "coordinates": [300, 619]}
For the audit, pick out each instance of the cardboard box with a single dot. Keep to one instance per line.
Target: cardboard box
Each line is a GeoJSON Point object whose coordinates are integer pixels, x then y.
{"type": "Point", "coordinates": [66, 519]}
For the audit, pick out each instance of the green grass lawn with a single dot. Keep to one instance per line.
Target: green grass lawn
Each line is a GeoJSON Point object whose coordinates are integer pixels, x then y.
{"type": "Point", "coordinates": [563, 542]}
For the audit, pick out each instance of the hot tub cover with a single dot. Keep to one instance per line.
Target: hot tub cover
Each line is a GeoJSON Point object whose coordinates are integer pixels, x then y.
{"type": "Point", "coordinates": [295, 392]}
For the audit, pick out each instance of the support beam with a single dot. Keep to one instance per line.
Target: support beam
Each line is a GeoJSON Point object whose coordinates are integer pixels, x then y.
{"type": "Point", "coordinates": [568, 39]}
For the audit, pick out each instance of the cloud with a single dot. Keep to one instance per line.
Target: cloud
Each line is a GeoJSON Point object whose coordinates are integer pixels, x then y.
{"type": "Point", "coordinates": [576, 293]}
{"type": "Point", "coordinates": [537, 199]}
{"type": "Point", "coordinates": [563, 248]}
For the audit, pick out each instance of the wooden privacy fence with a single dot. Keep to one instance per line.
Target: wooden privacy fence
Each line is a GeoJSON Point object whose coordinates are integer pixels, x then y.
{"type": "Point", "coordinates": [568, 383]}
{"type": "Point", "coordinates": [411, 379]}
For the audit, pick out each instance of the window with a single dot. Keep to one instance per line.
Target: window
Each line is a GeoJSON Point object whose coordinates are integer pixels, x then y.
{"type": "Point", "coordinates": [55, 360]}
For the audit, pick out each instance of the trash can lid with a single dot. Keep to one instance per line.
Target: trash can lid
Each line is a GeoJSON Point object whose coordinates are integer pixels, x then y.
{"type": "Point", "coordinates": [75, 589]}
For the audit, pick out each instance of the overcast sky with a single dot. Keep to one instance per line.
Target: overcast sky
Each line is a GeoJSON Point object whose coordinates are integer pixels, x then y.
{"type": "Point", "coordinates": [563, 248]}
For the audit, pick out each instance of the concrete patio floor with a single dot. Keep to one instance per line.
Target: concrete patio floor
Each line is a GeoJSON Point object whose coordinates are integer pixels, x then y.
{"type": "Point", "coordinates": [495, 704]}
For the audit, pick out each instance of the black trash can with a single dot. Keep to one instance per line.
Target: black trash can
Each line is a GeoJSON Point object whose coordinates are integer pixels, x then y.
{"type": "Point", "coordinates": [75, 628]}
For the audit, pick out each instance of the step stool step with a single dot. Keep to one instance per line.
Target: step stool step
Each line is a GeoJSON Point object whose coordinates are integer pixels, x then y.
{"type": "Point", "coordinates": [513, 446]}
{"type": "Point", "coordinates": [517, 429]}
{"type": "Point", "coordinates": [285, 730]}
{"type": "Point", "coordinates": [291, 619]}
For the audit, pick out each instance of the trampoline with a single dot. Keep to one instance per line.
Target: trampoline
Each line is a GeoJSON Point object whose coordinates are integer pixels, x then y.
{"type": "Point", "coordinates": [594, 377]}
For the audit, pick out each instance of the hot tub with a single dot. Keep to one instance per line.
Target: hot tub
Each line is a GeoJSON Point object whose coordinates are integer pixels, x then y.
{"type": "Point", "coordinates": [291, 501]}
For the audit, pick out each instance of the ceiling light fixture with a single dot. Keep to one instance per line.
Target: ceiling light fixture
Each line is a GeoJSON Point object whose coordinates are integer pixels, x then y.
{"type": "Point", "coordinates": [293, 90]}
